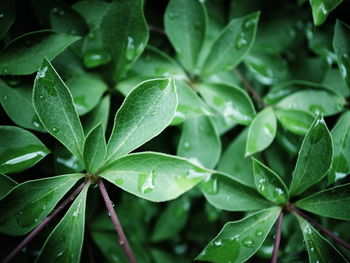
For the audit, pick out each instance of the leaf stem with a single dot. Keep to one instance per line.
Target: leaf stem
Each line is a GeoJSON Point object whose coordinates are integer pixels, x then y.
{"type": "Point", "coordinates": [156, 29]}
{"type": "Point", "coordinates": [250, 89]}
{"type": "Point", "coordinates": [320, 227]}
{"type": "Point", "coordinates": [123, 242]}
{"type": "Point", "coordinates": [276, 245]}
{"type": "Point", "coordinates": [40, 227]}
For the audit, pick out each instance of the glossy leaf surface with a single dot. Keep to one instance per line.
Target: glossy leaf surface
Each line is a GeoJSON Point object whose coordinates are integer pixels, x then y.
{"type": "Point", "coordinates": [54, 105]}
{"type": "Point", "coordinates": [319, 248]}
{"type": "Point", "coordinates": [185, 26]}
{"type": "Point", "coordinates": [154, 176]}
{"type": "Point", "coordinates": [95, 149]}
{"type": "Point", "coordinates": [231, 45]}
{"type": "Point", "coordinates": [29, 203]}
{"type": "Point", "coordinates": [239, 240]}
{"type": "Point", "coordinates": [25, 54]}
{"type": "Point", "coordinates": [65, 242]}
{"type": "Point", "coordinates": [269, 184]}
{"type": "Point", "coordinates": [147, 110]}
{"type": "Point", "coordinates": [228, 194]}
{"type": "Point", "coordinates": [296, 121]}
{"type": "Point", "coordinates": [19, 149]}
{"type": "Point", "coordinates": [199, 142]}
{"type": "Point", "coordinates": [333, 202]}
{"type": "Point", "coordinates": [341, 44]}
{"type": "Point", "coordinates": [261, 132]}
{"type": "Point", "coordinates": [232, 102]}
{"type": "Point", "coordinates": [315, 157]}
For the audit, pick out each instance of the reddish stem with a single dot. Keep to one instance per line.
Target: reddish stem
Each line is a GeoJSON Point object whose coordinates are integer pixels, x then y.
{"type": "Point", "coordinates": [250, 89]}
{"type": "Point", "coordinates": [321, 228]}
{"type": "Point", "coordinates": [276, 245]}
{"type": "Point", "coordinates": [123, 242]}
{"type": "Point", "coordinates": [40, 227]}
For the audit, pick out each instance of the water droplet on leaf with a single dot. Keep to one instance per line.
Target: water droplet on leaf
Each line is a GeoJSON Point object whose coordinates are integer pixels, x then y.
{"type": "Point", "coordinates": [55, 130]}
{"type": "Point", "coordinates": [248, 242]}
{"type": "Point", "coordinates": [241, 41]}
{"type": "Point", "coordinates": [95, 58]}
{"type": "Point", "coordinates": [146, 182]}
{"type": "Point", "coordinates": [130, 49]}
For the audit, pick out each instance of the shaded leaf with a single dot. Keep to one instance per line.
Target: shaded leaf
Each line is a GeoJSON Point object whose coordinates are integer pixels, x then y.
{"type": "Point", "coordinates": [322, 8]}
{"type": "Point", "coordinates": [65, 242]}
{"type": "Point", "coordinates": [6, 184]}
{"type": "Point", "coordinates": [99, 114]}
{"type": "Point", "coordinates": [29, 203]}
{"type": "Point", "coordinates": [7, 10]}
{"type": "Point", "coordinates": [25, 54]}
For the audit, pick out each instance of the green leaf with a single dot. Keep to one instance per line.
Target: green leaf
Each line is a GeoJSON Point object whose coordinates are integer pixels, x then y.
{"type": "Point", "coordinates": [190, 104]}
{"type": "Point", "coordinates": [226, 193]}
{"type": "Point", "coordinates": [239, 240]}
{"type": "Point", "coordinates": [95, 149]}
{"type": "Point", "coordinates": [315, 157]}
{"type": "Point", "coordinates": [29, 203]}
{"type": "Point", "coordinates": [231, 101]}
{"type": "Point", "coordinates": [199, 142]}
{"type": "Point", "coordinates": [269, 184]}
{"type": "Point", "coordinates": [124, 33]}
{"type": "Point", "coordinates": [154, 176]}
{"type": "Point", "coordinates": [296, 121]}
{"type": "Point", "coordinates": [185, 25]}
{"type": "Point", "coordinates": [261, 132]}
{"type": "Point", "coordinates": [99, 114]}
{"type": "Point", "coordinates": [341, 45]}
{"type": "Point", "coordinates": [233, 162]}
{"type": "Point", "coordinates": [318, 248]}
{"type": "Point", "coordinates": [19, 149]}
{"type": "Point", "coordinates": [321, 9]}
{"type": "Point", "coordinates": [54, 105]}
{"type": "Point", "coordinates": [25, 54]}
{"type": "Point", "coordinates": [87, 91]}
{"type": "Point", "coordinates": [7, 16]}
{"type": "Point", "coordinates": [65, 162]}
{"type": "Point", "coordinates": [25, 115]}
{"type": "Point", "coordinates": [231, 45]}
{"type": "Point", "coordinates": [333, 203]}
{"type": "Point", "coordinates": [67, 20]}
{"type": "Point", "coordinates": [341, 156]}
{"type": "Point", "coordinates": [145, 113]}
{"type": "Point", "coordinates": [65, 242]}
{"type": "Point", "coordinates": [171, 220]}
{"type": "Point", "coordinates": [6, 185]}
{"type": "Point", "coordinates": [314, 102]}
{"type": "Point", "coordinates": [92, 11]}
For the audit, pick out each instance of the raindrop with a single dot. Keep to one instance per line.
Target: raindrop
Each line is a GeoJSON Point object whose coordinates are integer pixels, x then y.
{"type": "Point", "coordinates": [130, 49]}
{"type": "Point", "coordinates": [5, 70]}
{"type": "Point", "coordinates": [249, 22]}
{"type": "Point", "coordinates": [6, 97]}
{"type": "Point", "coordinates": [218, 243]}
{"type": "Point", "coordinates": [55, 130]}
{"type": "Point", "coordinates": [41, 73]}
{"type": "Point", "coordinates": [173, 15]}
{"type": "Point", "coordinates": [95, 58]}
{"type": "Point", "coordinates": [35, 220]}
{"type": "Point", "coordinates": [61, 13]}
{"type": "Point", "coordinates": [60, 254]}
{"type": "Point", "coordinates": [75, 213]}
{"type": "Point", "coordinates": [1, 15]}
{"type": "Point", "coordinates": [41, 96]}
{"type": "Point", "coordinates": [146, 182]}
{"type": "Point", "coordinates": [248, 242]}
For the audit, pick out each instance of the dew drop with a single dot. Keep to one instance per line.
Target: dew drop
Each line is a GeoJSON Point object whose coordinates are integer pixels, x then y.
{"type": "Point", "coordinates": [259, 233]}
{"type": "Point", "coordinates": [5, 70]}
{"type": "Point", "coordinates": [248, 242]}
{"type": "Point", "coordinates": [173, 15]}
{"type": "Point", "coordinates": [95, 58]}
{"type": "Point", "coordinates": [241, 41]}
{"type": "Point", "coordinates": [41, 96]}
{"type": "Point", "coordinates": [75, 213]}
{"type": "Point", "coordinates": [146, 182]}
{"type": "Point", "coordinates": [187, 145]}
{"type": "Point", "coordinates": [210, 185]}
{"type": "Point", "coordinates": [35, 220]}
{"type": "Point", "coordinates": [130, 49]}
{"type": "Point", "coordinates": [6, 97]}
{"type": "Point", "coordinates": [61, 13]}
{"type": "Point", "coordinates": [60, 254]}
{"type": "Point", "coordinates": [1, 15]}
{"type": "Point", "coordinates": [218, 243]}
{"type": "Point", "coordinates": [55, 130]}
{"type": "Point", "coordinates": [41, 73]}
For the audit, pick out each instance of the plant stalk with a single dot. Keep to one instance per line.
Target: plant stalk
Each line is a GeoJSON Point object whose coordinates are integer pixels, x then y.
{"type": "Point", "coordinates": [277, 242]}
{"type": "Point", "coordinates": [320, 227]}
{"type": "Point", "coordinates": [40, 227]}
{"type": "Point", "coordinates": [123, 242]}
{"type": "Point", "coordinates": [250, 89]}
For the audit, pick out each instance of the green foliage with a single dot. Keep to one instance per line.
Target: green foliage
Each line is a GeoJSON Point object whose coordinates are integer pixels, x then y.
{"type": "Point", "coordinates": [188, 116]}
